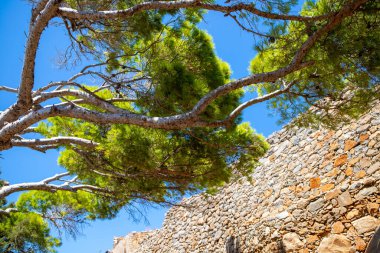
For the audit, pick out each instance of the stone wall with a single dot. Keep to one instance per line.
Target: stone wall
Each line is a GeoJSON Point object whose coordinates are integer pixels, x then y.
{"type": "Point", "coordinates": [316, 191]}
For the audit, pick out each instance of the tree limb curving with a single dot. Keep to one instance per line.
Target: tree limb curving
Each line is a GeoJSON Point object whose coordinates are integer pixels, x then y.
{"type": "Point", "coordinates": [173, 5]}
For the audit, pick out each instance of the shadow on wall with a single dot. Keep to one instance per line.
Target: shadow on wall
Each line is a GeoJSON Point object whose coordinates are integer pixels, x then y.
{"type": "Point", "coordinates": [281, 247]}
{"type": "Point", "coordinates": [232, 245]}
{"type": "Point", "coordinates": [374, 244]}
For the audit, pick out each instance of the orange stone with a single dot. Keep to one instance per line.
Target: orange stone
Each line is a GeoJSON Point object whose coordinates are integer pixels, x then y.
{"type": "Point", "coordinates": [312, 239]}
{"type": "Point", "coordinates": [328, 157]}
{"type": "Point", "coordinates": [337, 227]}
{"type": "Point", "coordinates": [288, 202]}
{"type": "Point", "coordinates": [327, 187]}
{"type": "Point", "coordinates": [303, 251]}
{"type": "Point", "coordinates": [329, 135]}
{"type": "Point", "coordinates": [315, 182]}
{"type": "Point", "coordinates": [353, 161]}
{"type": "Point", "coordinates": [360, 244]}
{"type": "Point", "coordinates": [267, 193]}
{"type": "Point", "coordinates": [349, 171]}
{"type": "Point", "coordinates": [349, 144]}
{"type": "Point", "coordinates": [332, 194]}
{"type": "Point", "coordinates": [363, 137]}
{"type": "Point", "coordinates": [372, 207]}
{"type": "Point", "coordinates": [352, 214]}
{"type": "Point", "coordinates": [332, 173]}
{"type": "Point", "coordinates": [340, 160]}
{"type": "Point", "coordinates": [360, 174]}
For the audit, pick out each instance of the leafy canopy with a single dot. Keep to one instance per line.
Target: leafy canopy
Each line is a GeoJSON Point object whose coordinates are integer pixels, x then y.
{"type": "Point", "coordinates": [345, 71]}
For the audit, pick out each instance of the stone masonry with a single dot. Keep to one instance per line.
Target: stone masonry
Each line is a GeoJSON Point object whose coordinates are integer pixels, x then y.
{"type": "Point", "coordinates": [316, 191]}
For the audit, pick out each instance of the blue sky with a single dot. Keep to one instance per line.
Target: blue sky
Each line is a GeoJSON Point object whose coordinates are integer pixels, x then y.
{"type": "Point", "coordinates": [23, 165]}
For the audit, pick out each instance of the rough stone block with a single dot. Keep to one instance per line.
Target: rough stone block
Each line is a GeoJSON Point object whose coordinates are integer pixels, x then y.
{"type": "Point", "coordinates": [349, 144]}
{"type": "Point", "coordinates": [315, 182]}
{"type": "Point", "coordinates": [335, 244]}
{"type": "Point", "coordinates": [340, 160]}
{"type": "Point", "coordinates": [366, 224]}
{"type": "Point", "coordinates": [291, 242]}
{"type": "Point", "coordinates": [316, 205]}
{"type": "Point", "coordinates": [345, 199]}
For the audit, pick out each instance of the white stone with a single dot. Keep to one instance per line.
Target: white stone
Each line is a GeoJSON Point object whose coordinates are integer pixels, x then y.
{"type": "Point", "coordinates": [366, 224]}
{"type": "Point", "coordinates": [282, 215]}
{"type": "Point", "coordinates": [316, 205]}
{"type": "Point", "coordinates": [291, 242]}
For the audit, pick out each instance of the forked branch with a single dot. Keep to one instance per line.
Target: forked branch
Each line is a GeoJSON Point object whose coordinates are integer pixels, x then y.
{"type": "Point", "coordinates": [44, 185]}
{"type": "Point", "coordinates": [173, 5]}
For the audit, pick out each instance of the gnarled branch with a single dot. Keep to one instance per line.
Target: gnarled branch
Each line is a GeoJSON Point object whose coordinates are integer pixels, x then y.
{"type": "Point", "coordinates": [55, 141]}
{"type": "Point", "coordinates": [173, 5]}
{"type": "Point", "coordinates": [44, 185]}
{"type": "Point", "coordinates": [9, 89]}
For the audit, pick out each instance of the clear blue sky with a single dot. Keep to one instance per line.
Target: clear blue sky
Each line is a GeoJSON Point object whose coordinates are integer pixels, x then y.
{"type": "Point", "coordinates": [23, 165]}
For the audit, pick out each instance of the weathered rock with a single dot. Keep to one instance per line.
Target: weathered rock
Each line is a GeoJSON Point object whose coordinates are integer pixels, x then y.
{"type": "Point", "coordinates": [360, 174]}
{"type": "Point", "coordinates": [349, 144]}
{"type": "Point", "coordinates": [340, 160]}
{"type": "Point", "coordinates": [315, 182]}
{"type": "Point", "coordinates": [373, 208]}
{"type": "Point", "coordinates": [291, 242]}
{"type": "Point", "coordinates": [363, 137]}
{"type": "Point", "coordinates": [282, 215]}
{"type": "Point", "coordinates": [349, 171]}
{"type": "Point", "coordinates": [311, 239]}
{"type": "Point", "coordinates": [337, 227]}
{"type": "Point", "coordinates": [316, 205]}
{"type": "Point", "coordinates": [351, 214]}
{"type": "Point", "coordinates": [365, 162]}
{"type": "Point", "coordinates": [332, 194]}
{"type": "Point", "coordinates": [363, 128]}
{"type": "Point", "coordinates": [375, 167]}
{"type": "Point", "coordinates": [366, 224]}
{"type": "Point", "coordinates": [360, 244]}
{"type": "Point", "coordinates": [366, 192]}
{"type": "Point", "coordinates": [345, 199]}
{"type": "Point", "coordinates": [327, 187]}
{"type": "Point", "coordinates": [217, 235]}
{"type": "Point", "coordinates": [335, 244]}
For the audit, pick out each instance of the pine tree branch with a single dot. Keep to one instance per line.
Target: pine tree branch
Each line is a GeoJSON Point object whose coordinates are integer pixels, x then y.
{"type": "Point", "coordinates": [39, 23]}
{"type": "Point", "coordinates": [9, 89]}
{"type": "Point", "coordinates": [55, 177]}
{"type": "Point", "coordinates": [44, 185]}
{"type": "Point", "coordinates": [70, 13]}
{"type": "Point", "coordinates": [90, 98]}
{"type": "Point", "coordinates": [54, 142]}
{"type": "Point", "coordinates": [253, 101]}
{"type": "Point", "coordinates": [8, 211]}
{"type": "Point", "coordinates": [43, 13]}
